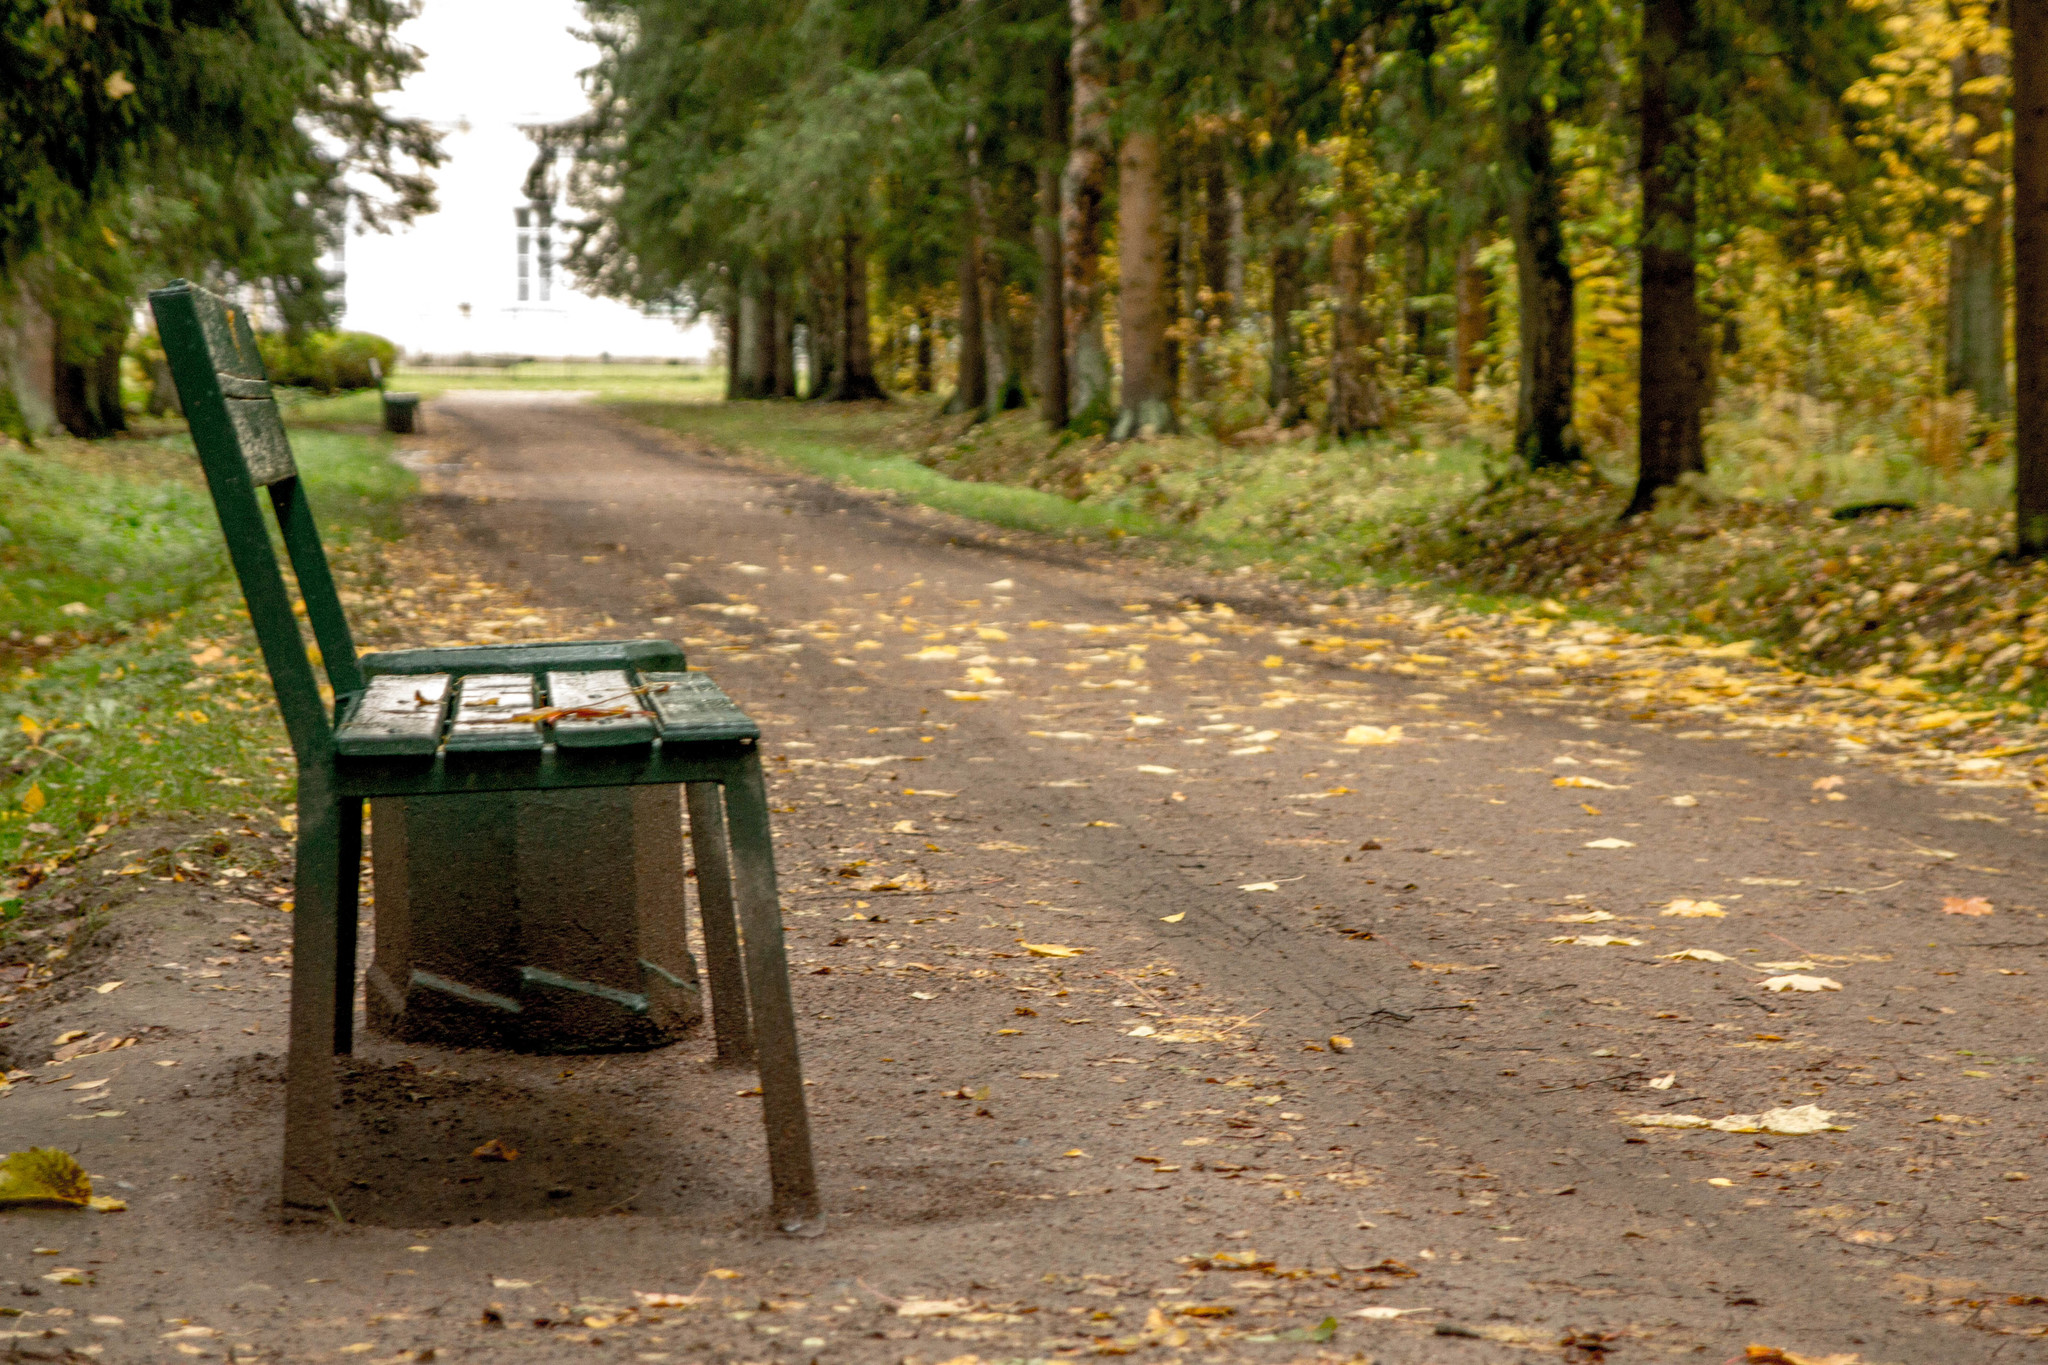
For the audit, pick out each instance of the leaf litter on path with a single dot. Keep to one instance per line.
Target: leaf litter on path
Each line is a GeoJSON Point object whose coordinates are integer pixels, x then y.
{"type": "Point", "coordinates": [1797, 982]}
{"type": "Point", "coordinates": [1688, 909]}
{"type": "Point", "coordinates": [1797, 1121]}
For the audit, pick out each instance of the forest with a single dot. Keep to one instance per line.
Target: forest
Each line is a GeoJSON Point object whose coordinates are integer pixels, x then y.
{"type": "Point", "coordinates": [1652, 233]}
{"type": "Point", "coordinates": [230, 141]}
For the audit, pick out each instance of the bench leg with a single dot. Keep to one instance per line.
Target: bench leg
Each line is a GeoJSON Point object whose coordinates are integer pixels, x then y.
{"type": "Point", "coordinates": [791, 1170]}
{"type": "Point", "coordinates": [309, 1068]}
{"type": "Point", "coordinates": [348, 868]}
{"type": "Point", "coordinates": [721, 929]}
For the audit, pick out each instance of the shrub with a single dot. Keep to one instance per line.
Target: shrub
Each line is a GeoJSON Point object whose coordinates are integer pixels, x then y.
{"type": "Point", "coordinates": [326, 361]}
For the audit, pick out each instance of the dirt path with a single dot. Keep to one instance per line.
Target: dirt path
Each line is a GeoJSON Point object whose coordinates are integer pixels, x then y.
{"type": "Point", "coordinates": [1256, 842]}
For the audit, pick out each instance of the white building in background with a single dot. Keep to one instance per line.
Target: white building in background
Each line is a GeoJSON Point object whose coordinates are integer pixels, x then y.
{"type": "Point", "coordinates": [475, 277]}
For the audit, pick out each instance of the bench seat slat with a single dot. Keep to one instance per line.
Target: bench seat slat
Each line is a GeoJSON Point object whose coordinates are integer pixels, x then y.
{"type": "Point", "coordinates": [484, 707]}
{"type": "Point", "coordinates": [395, 717]}
{"type": "Point", "coordinates": [692, 709]}
{"type": "Point", "coordinates": [604, 690]}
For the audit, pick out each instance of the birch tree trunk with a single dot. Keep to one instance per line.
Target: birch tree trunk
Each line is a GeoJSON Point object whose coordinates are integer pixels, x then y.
{"type": "Point", "coordinates": [1976, 261]}
{"type": "Point", "coordinates": [1081, 193]}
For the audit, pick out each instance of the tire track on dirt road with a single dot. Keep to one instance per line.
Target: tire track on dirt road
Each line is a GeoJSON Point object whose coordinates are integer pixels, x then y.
{"type": "Point", "coordinates": [1428, 1067]}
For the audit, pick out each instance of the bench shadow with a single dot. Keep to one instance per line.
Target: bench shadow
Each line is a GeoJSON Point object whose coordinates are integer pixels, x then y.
{"type": "Point", "coordinates": [407, 1145]}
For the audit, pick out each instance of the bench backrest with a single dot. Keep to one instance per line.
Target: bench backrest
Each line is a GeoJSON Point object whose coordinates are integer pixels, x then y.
{"type": "Point", "coordinates": [243, 448]}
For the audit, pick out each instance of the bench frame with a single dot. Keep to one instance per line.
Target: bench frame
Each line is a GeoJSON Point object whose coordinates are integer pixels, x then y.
{"type": "Point", "coordinates": [243, 449]}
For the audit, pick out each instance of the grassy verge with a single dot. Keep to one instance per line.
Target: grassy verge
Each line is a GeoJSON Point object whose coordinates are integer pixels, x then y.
{"type": "Point", "coordinates": [642, 383]}
{"type": "Point", "coordinates": [131, 684]}
{"type": "Point", "coordinates": [1775, 547]}
{"type": "Point", "coordinates": [861, 446]}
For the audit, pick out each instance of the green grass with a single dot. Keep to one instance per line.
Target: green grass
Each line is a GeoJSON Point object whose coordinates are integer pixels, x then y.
{"type": "Point", "coordinates": [627, 383]}
{"type": "Point", "coordinates": [850, 446]}
{"type": "Point", "coordinates": [1751, 552]}
{"type": "Point", "coordinates": [111, 561]}
{"type": "Point", "coordinates": [665, 383]}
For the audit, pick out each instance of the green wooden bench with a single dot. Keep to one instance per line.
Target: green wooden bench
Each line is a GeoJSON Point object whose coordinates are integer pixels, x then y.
{"type": "Point", "coordinates": [487, 718]}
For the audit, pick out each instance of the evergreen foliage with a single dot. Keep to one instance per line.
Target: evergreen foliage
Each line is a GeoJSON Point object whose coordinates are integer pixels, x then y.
{"type": "Point", "coordinates": [1608, 227]}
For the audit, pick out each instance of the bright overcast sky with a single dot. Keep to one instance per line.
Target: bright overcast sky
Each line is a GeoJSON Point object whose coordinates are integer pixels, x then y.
{"type": "Point", "coordinates": [491, 65]}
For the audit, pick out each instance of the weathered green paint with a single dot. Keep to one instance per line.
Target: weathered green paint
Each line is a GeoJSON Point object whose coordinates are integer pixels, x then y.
{"type": "Point", "coordinates": [203, 340]}
{"type": "Point", "coordinates": [640, 655]}
{"type": "Point", "coordinates": [605, 689]}
{"type": "Point", "coordinates": [396, 715]}
{"type": "Point", "coordinates": [485, 719]}
{"type": "Point", "coordinates": [704, 741]}
{"type": "Point", "coordinates": [693, 709]}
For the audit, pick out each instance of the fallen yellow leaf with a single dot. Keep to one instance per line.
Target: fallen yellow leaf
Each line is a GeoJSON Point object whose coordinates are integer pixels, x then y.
{"type": "Point", "coordinates": [1050, 949]}
{"type": "Point", "coordinates": [43, 1177]}
{"type": "Point", "coordinates": [1686, 909]}
{"type": "Point", "coordinates": [1372, 734]}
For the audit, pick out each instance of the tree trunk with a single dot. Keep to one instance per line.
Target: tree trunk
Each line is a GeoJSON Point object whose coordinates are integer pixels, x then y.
{"type": "Point", "coordinates": [1235, 253]}
{"type": "Point", "coordinates": [1178, 241]}
{"type": "Point", "coordinates": [1673, 356]}
{"type": "Point", "coordinates": [1357, 402]}
{"type": "Point", "coordinates": [999, 332]}
{"type": "Point", "coordinates": [1976, 259]}
{"type": "Point", "coordinates": [763, 365]}
{"type": "Point", "coordinates": [729, 329]}
{"type": "Point", "coordinates": [1002, 389]}
{"type": "Point", "coordinates": [1544, 434]}
{"type": "Point", "coordinates": [1145, 403]}
{"type": "Point", "coordinates": [87, 383]}
{"type": "Point", "coordinates": [2030, 268]}
{"type": "Point", "coordinates": [1415, 279]}
{"type": "Point", "coordinates": [970, 389]}
{"type": "Point", "coordinates": [1050, 338]}
{"type": "Point", "coordinates": [824, 329]}
{"type": "Point", "coordinates": [163, 391]}
{"type": "Point", "coordinates": [756, 341]}
{"type": "Point", "coordinates": [1081, 193]}
{"type": "Point", "coordinates": [1475, 317]}
{"type": "Point", "coordinates": [1049, 341]}
{"type": "Point", "coordinates": [921, 371]}
{"type": "Point", "coordinates": [105, 382]}
{"type": "Point", "coordinates": [856, 377]}
{"type": "Point", "coordinates": [1219, 217]}
{"type": "Point", "coordinates": [783, 368]}
{"type": "Point", "coordinates": [1283, 379]}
